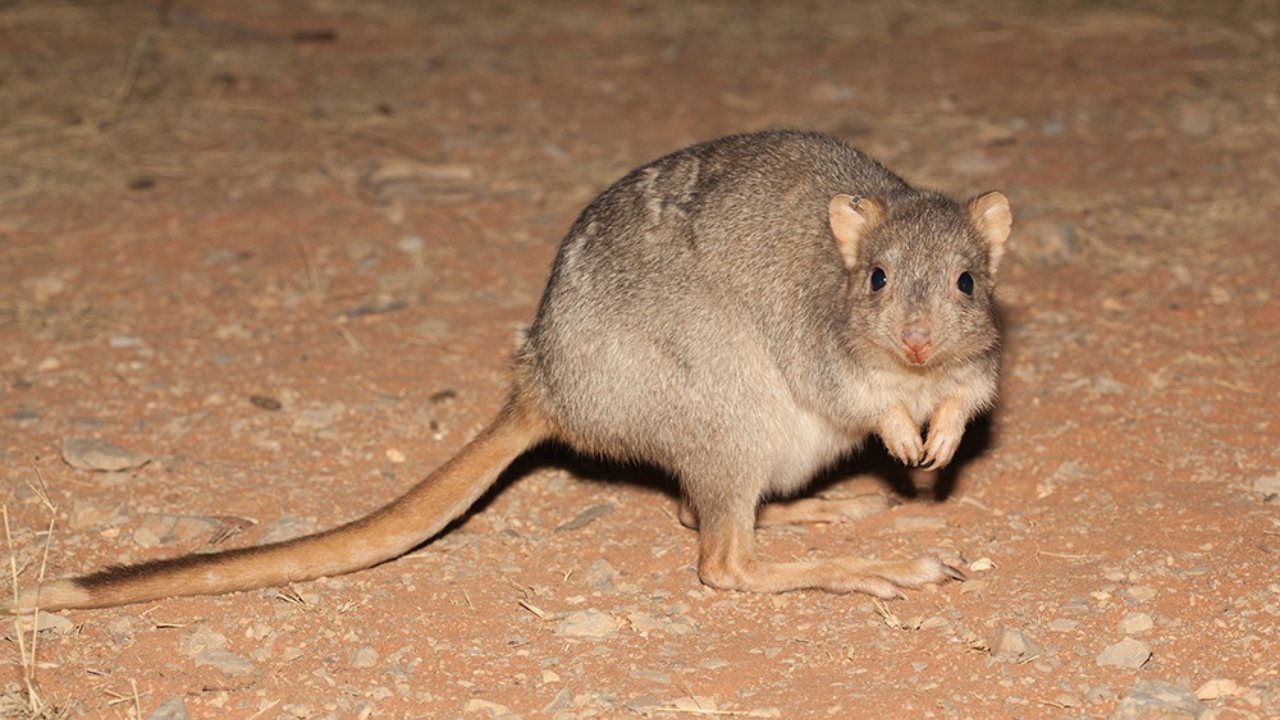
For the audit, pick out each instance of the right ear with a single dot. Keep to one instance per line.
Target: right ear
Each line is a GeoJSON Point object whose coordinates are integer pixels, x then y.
{"type": "Point", "coordinates": [852, 218]}
{"type": "Point", "coordinates": [991, 215]}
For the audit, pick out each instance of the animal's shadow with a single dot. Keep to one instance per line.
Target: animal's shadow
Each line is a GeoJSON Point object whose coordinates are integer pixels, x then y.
{"type": "Point", "coordinates": [872, 460]}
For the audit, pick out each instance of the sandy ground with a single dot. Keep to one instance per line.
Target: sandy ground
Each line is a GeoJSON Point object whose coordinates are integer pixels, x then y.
{"type": "Point", "coordinates": [282, 251]}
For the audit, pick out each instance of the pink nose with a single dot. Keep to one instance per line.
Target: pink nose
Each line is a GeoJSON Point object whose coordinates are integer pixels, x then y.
{"type": "Point", "coordinates": [918, 342]}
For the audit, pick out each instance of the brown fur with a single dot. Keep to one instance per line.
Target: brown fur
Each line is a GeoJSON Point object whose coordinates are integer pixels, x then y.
{"type": "Point", "coordinates": [711, 313]}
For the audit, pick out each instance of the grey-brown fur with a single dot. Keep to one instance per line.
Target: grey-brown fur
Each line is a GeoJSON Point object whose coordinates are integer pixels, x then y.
{"type": "Point", "coordinates": [699, 310]}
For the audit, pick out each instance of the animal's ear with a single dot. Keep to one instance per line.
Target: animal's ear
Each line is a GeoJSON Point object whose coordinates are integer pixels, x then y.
{"type": "Point", "coordinates": [991, 216]}
{"type": "Point", "coordinates": [852, 218]}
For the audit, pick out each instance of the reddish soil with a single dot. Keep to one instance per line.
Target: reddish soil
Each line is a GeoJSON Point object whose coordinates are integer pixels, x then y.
{"type": "Point", "coordinates": [284, 249]}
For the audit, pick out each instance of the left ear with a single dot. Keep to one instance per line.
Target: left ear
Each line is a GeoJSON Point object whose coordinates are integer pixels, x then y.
{"type": "Point", "coordinates": [993, 219]}
{"type": "Point", "coordinates": [852, 219]}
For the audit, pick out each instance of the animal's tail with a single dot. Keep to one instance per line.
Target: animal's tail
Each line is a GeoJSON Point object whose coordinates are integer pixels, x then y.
{"type": "Point", "coordinates": [389, 532]}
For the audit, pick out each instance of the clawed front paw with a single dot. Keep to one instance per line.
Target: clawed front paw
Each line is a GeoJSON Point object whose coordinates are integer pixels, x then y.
{"type": "Point", "coordinates": [946, 427]}
{"type": "Point", "coordinates": [940, 448]}
{"type": "Point", "coordinates": [901, 436]}
{"type": "Point", "coordinates": [904, 444]}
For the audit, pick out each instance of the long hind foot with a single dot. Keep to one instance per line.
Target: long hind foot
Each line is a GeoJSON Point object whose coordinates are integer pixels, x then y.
{"type": "Point", "coordinates": [727, 559]}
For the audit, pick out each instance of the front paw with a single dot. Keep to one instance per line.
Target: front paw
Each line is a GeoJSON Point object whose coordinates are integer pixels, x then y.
{"type": "Point", "coordinates": [946, 428]}
{"type": "Point", "coordinates": [902, 439]}
{"type": "Point", "coordinates": [908, 449]}
{"type": "Point", "coordinates": [940, 448]}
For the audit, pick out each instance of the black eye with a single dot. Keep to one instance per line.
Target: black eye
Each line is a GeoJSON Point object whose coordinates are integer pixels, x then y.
{"type": "Point", "coordinates": [965, 283]}
{"type": "Point", "coordinates": [878, 279]}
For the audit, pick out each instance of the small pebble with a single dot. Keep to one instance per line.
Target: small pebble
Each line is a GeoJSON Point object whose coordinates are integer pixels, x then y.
{"type": "Point", "coordinates": [1011, 645]}
{"type": "Point", "coordinates": [587, 625]}
{"type": "Point", "coordinates": [1100, 693]}
{"type": "Point", "coordinates": [586, 517]}
{"type": "Point", "coordinates": [1135, 623]}
{"type": "Point", "coordinates": [121, 629]}
{"type": "Point", "coordinates": [365, 657]}
{"type": "Point", "coordinates": [600, 576]}
{"type": "Point", "coordinates": [1142, 593]}
{"type": "Point", "coordinates": [562, 701]}
{"type": "Point", "coordinates": [171, 709]}
{"type": "Point", "coordinates": [315, 419]}
{"type": "Point", "coordinates": [46, 622]}
{"type": "Point", "coordinates": [493, 709]}
{"type": "Point", "coordinates": [651, 676]}
{"type": "Point", "coordinates": [1219, 688]}
{"type": "Point", "coordinates": [1157, 700]}
{"type": "Point", "coordinates": [411, 244]}
{"type": "Point", "coordinates": [224, 660]}
{"type": "Point", "coordinates": [100, 455]}
{"type": "Point", "coordinates": [1067, 700]}
{"type": "Point", "coordinates": [1269, 487]}
{"type": "Point", "coordinates": [265, 402]}
{"type": "Point", "coordinates": [1128, 653]}
{"type": "Point", "coordinates": [200, 640]}
{"type": "Point", "coordinates": [982, 565]}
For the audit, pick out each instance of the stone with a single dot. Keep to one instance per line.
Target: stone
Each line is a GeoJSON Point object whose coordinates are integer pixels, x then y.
{"type": "Point", "coordinates": [493, 709]}
{"type": "Point", "coordinates": [1268, 487]}
{"type": "Point", "coordinates": [586, 517]}
{"type": "Point", "coordinates": [1219, 688]}
{"type": "Point", "coordinates": [600, 576]}
{"type": "Point", "coordinates": [587, 625]}
{"type": "Point", "coordinates": [100, 455]}
{"type": "Point", "coordinates": [224, 660]}
{"type": "Point", "coordinates": [1011, 645]}
{"type": "Point", "coordinates": [365, 657]}
{"type": "Point", "coordinates": [91, 516]}
{"type": "Point", "coordinates": [171, 709]}
{"type": "Point", "coordinates": [1135, 623]}
{"type": "Point", "coordinates": [1158, 700]}
{"type": "Point", "coordinates": [200, 640]}
{"type": "Point", "coordinates": [1128, 653]}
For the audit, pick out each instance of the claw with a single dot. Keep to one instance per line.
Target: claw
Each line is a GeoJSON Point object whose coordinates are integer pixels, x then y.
{"type": "Point", "coordinates": [953, 573]}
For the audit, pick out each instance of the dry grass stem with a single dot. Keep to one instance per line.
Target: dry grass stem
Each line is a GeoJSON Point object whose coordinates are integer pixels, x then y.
{"type": "Point", "coordinates": [539, 612]}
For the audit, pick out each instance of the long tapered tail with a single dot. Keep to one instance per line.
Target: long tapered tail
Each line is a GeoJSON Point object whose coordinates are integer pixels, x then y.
{"type": "Point", "coordinates": [386, 533]}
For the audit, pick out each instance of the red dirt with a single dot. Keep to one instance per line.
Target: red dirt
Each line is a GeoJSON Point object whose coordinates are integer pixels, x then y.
{"type": "Point", "coordinates": [350, 209]}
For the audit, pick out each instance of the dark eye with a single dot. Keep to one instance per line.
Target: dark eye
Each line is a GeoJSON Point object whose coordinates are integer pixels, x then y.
{"type": "Point", "coordinates": [878, 279]}
{"type": "Point", "coordinates": [965, 283]}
